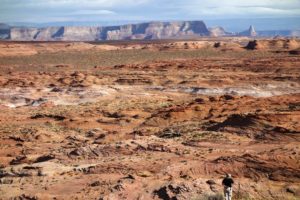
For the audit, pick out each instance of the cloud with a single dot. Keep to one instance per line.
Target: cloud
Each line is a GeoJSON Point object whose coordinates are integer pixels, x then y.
{"type": "Point", "coordinates": [236, 8]}
{"type": "Point", "coordinates": [47, 10]}
{"type": "Point", "coordinates": [92, 12]}
{"type": "Point", "coordinates": [70, 3]}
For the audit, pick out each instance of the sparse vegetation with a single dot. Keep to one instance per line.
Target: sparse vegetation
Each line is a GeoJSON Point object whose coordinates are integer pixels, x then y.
{"type": "Point", "coordinates": [220, 196]}
{"type": "Point", "coordinates": [86, 60]}
{"type": "Point", "coordinates": [210, 197]}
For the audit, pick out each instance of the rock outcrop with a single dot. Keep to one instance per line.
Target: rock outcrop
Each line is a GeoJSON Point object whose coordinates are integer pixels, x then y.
{"type": "Point", "coordinates": [274, 45]}
{"type": "Point", "coordinates": [250, 32]}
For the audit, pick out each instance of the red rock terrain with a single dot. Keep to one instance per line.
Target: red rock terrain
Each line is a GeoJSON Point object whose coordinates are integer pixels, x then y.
{"type": "Point", "coordinates": [162, 120]}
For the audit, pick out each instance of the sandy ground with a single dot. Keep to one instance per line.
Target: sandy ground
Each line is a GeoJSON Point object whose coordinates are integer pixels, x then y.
{"type": "Point", "coordinates": [159, 129]}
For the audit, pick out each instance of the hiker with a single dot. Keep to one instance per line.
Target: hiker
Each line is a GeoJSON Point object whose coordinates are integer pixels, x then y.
{"type": "Point", "coordinates": [227, 183]}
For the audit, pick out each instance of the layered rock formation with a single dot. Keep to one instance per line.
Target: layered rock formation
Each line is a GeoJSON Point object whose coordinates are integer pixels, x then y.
{"type": "Point", "coordinates": [152, 30]}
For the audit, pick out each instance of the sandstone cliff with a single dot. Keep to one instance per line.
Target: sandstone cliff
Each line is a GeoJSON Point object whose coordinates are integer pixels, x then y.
{"type": "Point", "coordinates": [152, 30]}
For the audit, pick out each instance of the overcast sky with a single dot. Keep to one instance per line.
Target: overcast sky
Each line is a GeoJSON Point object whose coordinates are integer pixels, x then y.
{"type": "Point", "coordinates": [39, 11]}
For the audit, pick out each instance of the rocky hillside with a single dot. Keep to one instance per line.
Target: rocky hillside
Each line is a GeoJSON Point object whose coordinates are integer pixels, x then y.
{"type": "Point", "coordinates": [152, 30]}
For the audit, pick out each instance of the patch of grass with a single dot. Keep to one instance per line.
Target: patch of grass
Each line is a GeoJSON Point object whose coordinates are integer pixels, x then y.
{"type": "Point", "coordinates": [220, 196]}
{"type": "Point", "coordinates": [207, 135]}
{"type": "Point", "coordinates": [243, 196]}
{"type": "Point", "coordinates": [8, 128]}
{"type": "Point", "coordinates": [210, 197]}
{"type": "Point", "coordinates": [52, 127]}
{"type": "Point", "coordinates": [165, 104]}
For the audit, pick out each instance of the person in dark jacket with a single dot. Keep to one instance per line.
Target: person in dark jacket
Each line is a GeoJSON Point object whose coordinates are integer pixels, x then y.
{"type": "Point", "coordinates": [227, 183]}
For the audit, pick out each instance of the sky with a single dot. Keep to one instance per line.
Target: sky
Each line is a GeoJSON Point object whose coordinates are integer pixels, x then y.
{"type": "Point", "coordinates": [41, 11]}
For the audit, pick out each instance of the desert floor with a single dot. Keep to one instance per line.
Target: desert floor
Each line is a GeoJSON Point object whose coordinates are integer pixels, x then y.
{"type": "Point", "coordinates": [150, 120]}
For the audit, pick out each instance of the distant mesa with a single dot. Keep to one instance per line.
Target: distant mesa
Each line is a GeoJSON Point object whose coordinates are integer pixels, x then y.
{"type": "Point", "coordinates": [219, 32]}
{"type": "Point", "coordinates": [4, 31]}
{"type": "Point", "coordinates": [150, 31]}
{"type": "Point", "coordinates": [141, 31]}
